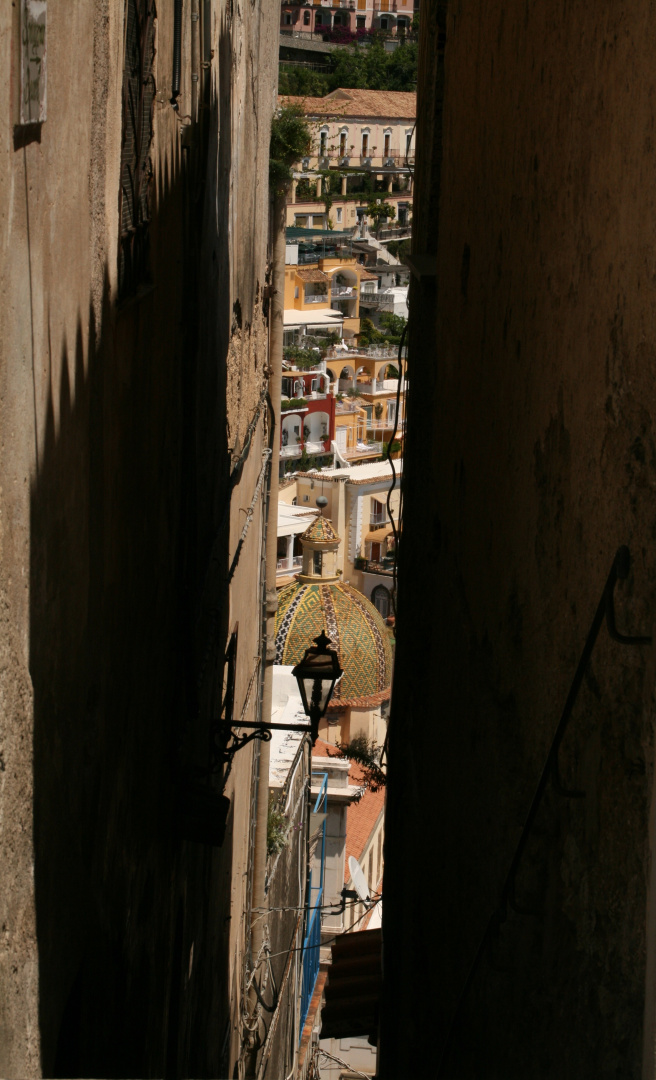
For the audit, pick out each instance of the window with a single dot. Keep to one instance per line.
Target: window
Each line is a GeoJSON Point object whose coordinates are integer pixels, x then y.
{"type": "Point", "coordinates": [391, 411]}
{"type": "Point", "coordinates": [323, 139]}
{"type": "Point", "coordinates": [388, 140]}
{"type": "Point", "coordinates": [380, 598]}
{"type": "Point", "coordinates": [318, 20]}
{"type": "Point", "coordinates": [315, 386]}
{"type": "Point", "coordinates": [342, 143]}
{"type": "Point", "coordinates": [296, 293]}
{"type": "Point", "coordinates": [288, 18]}
{"type": "Point", "coordinates": [306, 18]}
{"type": "Point", "coordinates": [365, 143]}
{"type": "Point", "coordinates": [378, 512]}
{"type": "Point", "coordinates": [371, 870]}
{"type": "Point", "coordinates": [136, 138]}
{"type": "Point", "coordinates": [360, 20]}
{"type": "Point", "coordinates": [316, 562]}
{"type": "Point", "coordinates": [384, 23]}
{"type": "Point", "coordinates": [339, 215]}
{"type": "Point", "coordinates": [408, 140]}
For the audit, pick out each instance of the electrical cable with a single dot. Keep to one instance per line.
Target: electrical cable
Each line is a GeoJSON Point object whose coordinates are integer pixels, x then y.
{"type": "Point", "coordinates": [329, 941]}
{"type": "Point", "coordinates": [344, 1064]}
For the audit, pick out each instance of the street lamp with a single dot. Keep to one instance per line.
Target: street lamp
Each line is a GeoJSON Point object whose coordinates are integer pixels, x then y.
{"type": "Point", "coordinates": [316, 675]}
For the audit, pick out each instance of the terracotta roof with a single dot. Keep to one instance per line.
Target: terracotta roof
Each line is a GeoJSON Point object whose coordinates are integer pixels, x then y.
{"type": "Point", "coordinates": [320, 529]}
{"type": "Point", "coordinates": [371, 103]}
{"type": "Point", "coordinates": [312, 275]}
{"type": "Point", "coordinates": [366, 276]}
{"type": "Point", "coordinates": [361, 820]}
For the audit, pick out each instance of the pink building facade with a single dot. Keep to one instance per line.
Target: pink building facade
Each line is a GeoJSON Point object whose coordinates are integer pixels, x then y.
{"type": "Point", "coordinates": [390, 16]}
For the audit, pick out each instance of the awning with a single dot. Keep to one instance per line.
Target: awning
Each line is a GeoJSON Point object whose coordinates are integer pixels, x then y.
{"type": "Point", "coordinates": [353, 987]}
{"type": "Point", "coordinates": [378, 535]}
{"type": "Point", "coordinates": [291, 317]}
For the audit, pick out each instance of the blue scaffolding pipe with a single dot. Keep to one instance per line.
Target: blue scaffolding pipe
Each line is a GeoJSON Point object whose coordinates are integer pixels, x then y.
{"type": "Point", "coordinates": [312, 939]}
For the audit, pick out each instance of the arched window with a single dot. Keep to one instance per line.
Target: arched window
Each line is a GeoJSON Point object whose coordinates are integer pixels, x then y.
{"type": "Point", "coordinates": [306, 18]}
{"type": "Point", "coordinates": [380, 598]}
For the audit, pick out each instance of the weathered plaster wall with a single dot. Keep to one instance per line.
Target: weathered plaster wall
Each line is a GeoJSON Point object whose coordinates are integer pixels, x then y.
{"type": "Point", "coordinates": [537, 381]}
{"type": "Point", "coordinates": [119, 426]}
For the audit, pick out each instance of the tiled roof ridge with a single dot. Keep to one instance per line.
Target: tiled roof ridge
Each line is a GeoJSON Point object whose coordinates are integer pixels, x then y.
{"type": "Point", "coordinates": [400, 104]}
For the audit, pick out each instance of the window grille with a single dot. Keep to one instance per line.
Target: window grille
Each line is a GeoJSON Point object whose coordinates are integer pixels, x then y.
{"type": "Point", "coordinates": [136, 139]}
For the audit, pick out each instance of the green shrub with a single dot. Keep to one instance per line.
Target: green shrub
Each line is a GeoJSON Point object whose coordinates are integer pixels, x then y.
{"type": "Point", "coordinates": [277, 825]}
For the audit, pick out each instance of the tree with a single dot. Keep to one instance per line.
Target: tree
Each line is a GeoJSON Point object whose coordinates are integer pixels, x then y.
{"type": "Point", "coordinates": [394, 324]}
{"type": "Point", "coordinates": [291, 140]}
{"type": "Point", "coordinates": [378, 211]}
{"type": "Point", "coordinates": [368, 755]}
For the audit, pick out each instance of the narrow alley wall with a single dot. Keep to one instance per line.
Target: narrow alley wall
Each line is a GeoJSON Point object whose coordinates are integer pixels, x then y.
{"type": "Point", "coordinates": [531, 456]}
{"type": "Point", "coordinates": [134, 438]}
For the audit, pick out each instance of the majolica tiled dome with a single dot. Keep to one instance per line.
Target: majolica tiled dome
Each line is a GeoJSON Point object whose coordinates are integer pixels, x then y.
{"type": "Point", "coordinates": [356, 631]}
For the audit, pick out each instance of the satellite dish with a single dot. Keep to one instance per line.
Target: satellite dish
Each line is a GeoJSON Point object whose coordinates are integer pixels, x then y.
{"type": "Point", "coordinates": [359, 880]}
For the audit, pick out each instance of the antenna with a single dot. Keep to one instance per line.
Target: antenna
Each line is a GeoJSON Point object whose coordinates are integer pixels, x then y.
{"type": "Point", "coordinates": [359, 881]}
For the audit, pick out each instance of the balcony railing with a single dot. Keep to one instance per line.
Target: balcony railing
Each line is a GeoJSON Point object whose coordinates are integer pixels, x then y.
{"type": "Point", "coordinates": [379, 300]}
{"type": "Point", "coordinates": [371, 567]}
{"type": "Point", "coordinates": [385, 425]}
{"type": "Point", "coordinates": [379, 352]}
{"type": "Point", "coordinates": [342, 290]}
{"type": "Point", "coordinates": [284, 564]}
{"type": "Point", "coordinates": [316, 298]}
{"type": "Point", "coordinates": [394, 233]}
{"type": "Point", "coordinates": [376, 521]}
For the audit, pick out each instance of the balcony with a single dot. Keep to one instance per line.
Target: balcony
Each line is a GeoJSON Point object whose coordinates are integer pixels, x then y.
{"type": "Point", "coordinates": [342, 290]}
{"type": "Point", "coordinates": [385, 425]}
{"type": "Point", "coordinates": [368, 566]}
{"type": "Point", "coordinates": [315, 298]}
{"type": "Point", "coordinates": [396, 233]}
{"type": "Point", "coordinates": [377, 300]}
{"type": "Point", "coordinates": [378, 352]}
{"type": "Point", "coordinates": [291, 451]}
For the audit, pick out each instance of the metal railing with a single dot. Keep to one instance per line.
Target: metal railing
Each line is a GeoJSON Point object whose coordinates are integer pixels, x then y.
{"type": "Point", "coordinates": [284, 563]}
{"type": "Point", "coordinates": [368, 566]}
{"type": "Point", "coordinates": [312, 940]}
{"type": "Point", "coordinates": [342, 290]}
{"type": "Point", "coordinates": [375, 299]}
{"type": "Point", "coordinates": [316, 298]}
{"type": "Point", "coordinates": [385, 425]}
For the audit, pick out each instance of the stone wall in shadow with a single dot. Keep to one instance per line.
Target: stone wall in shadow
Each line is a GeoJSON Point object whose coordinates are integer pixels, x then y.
{"type": "Point", "coordinates": [530, 458]}
{"type": "Point", "coordinates": [130, 527]}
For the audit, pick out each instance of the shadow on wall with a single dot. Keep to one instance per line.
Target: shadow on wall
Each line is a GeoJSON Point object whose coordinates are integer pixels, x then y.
{"type": "Point", "coordinates": [132, 968]}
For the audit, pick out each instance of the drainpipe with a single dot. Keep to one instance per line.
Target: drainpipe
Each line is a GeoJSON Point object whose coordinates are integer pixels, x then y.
{"type": "Point", "coordinates": [271, 603]}
{"type": "Point", "coordinates": [177, 53]}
